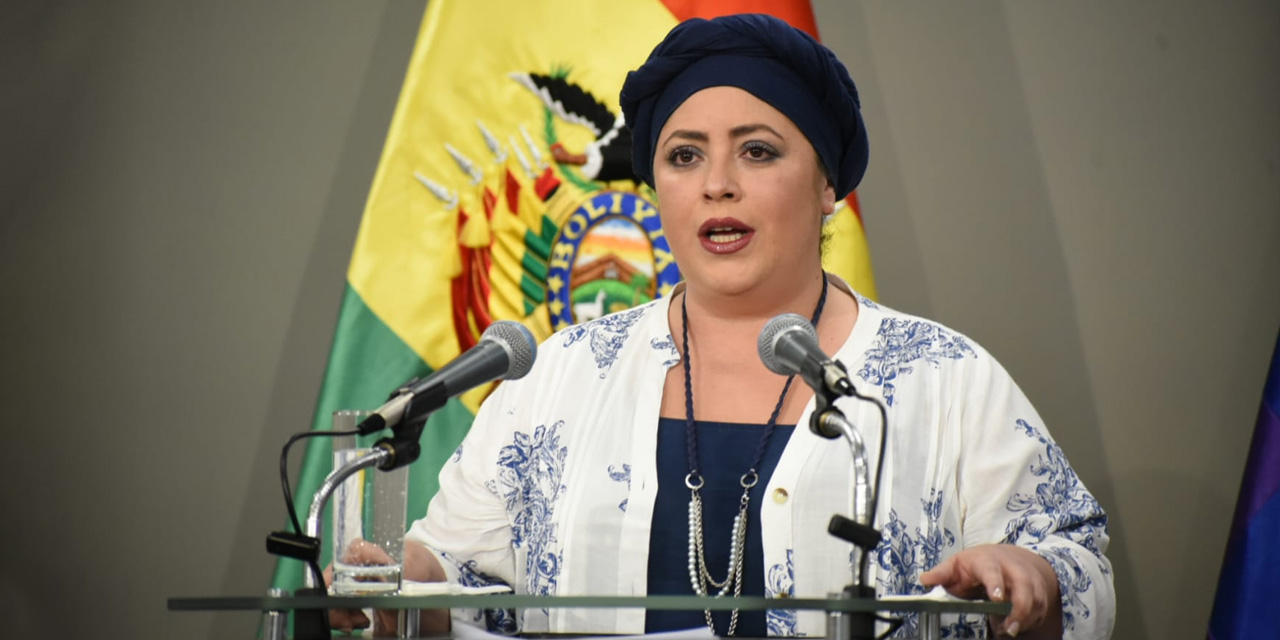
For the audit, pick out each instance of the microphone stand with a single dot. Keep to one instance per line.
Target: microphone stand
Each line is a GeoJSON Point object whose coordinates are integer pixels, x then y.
{"type": "Point", "coordinates": [829, 422]}
{"type": "Point", "coordinates": [398, 450]}
{"type": "Point", "coordinates": [374, 457]}
{"type": "Point", "coordinates": [407, 410]}
{"type": "Point", "coordinates": [313, 624]}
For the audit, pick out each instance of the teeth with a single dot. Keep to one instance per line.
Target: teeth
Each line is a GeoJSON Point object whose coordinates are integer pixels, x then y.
{"type": "Point", "coordinates": [719, 237]}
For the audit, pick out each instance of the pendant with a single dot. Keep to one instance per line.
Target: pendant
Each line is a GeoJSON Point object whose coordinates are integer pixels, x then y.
{"type": "Point", "coordinates": [699, 575]}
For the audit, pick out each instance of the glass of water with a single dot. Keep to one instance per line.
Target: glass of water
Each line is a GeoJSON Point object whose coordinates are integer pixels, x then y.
{"type": "Point", "coordinates": [368, 509]}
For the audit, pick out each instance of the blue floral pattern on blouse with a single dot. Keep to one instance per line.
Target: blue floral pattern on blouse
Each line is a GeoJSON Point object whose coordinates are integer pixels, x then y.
{"type": "Point", "coordinates": [781, 580]}
{"type": "Point", "coordinates": [605, 336]}
{"type": "Point", "coordinates": [1061, 507]}
{"type": "Point", "coordinates": [497, 620]}
{"type": "Point", "coordinates": [621, 475]}
{"type": "Point", "coordinates": [902, 556]}
{"type": "Point", "coordinates": [529, 478]}
{"type": "Point", "coordinates": [668, 346]}
{"type": "Point", "coordinates": [901, 341]}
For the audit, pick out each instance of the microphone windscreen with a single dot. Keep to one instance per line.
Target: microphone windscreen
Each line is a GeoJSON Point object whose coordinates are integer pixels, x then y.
{"type": "Point", "coordinates": [775, 331]}
{"type": "Point", "coordinates": [519, 344]}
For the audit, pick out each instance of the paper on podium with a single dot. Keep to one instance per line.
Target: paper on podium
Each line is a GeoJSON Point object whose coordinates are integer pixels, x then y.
{"type": "Point", "coordinates": [411, 588]}
{"type": "Point", "coordinates": [937, 594]}
{"type": "Point", "coordinates": [470, 632]}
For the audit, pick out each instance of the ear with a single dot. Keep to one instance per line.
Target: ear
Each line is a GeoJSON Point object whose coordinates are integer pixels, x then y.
{"type": "Point", "coordinates": [828, 199]}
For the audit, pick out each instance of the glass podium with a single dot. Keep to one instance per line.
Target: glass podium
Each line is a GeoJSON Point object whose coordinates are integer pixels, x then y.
{"type": "Point", "coordinates": [929, 610]}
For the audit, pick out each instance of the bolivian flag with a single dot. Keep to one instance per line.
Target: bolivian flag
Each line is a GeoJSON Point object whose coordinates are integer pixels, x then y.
{"type": "Point", "coordinates": [504, 192]}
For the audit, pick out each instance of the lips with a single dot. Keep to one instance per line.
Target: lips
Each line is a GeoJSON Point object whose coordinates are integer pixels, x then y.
{"type": "Point", "coordinates": [725, 235]}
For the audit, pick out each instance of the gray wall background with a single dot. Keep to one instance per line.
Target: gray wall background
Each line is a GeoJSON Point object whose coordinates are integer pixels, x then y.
{"type": "Point", "coordinates": [1091, 190]}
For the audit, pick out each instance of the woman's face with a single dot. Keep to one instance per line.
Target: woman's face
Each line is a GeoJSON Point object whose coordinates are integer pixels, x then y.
{"type": "Point", "coordinates": [740, 192]}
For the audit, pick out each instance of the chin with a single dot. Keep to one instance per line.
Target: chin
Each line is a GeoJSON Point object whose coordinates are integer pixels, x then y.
{"type": "Point", "coordinates": [731, 280]}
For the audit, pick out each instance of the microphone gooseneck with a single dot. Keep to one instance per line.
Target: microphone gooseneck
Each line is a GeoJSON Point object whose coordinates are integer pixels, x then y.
{"type": "Point", "coordinates": [788, 345]}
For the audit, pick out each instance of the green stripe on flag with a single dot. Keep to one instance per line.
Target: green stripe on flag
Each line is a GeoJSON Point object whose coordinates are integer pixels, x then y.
{"type": "Point", "coordinates": [366, 363]}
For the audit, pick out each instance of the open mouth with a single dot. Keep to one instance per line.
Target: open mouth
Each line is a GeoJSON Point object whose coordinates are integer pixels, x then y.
{"type": "Point", "coordinates": [725, 235]}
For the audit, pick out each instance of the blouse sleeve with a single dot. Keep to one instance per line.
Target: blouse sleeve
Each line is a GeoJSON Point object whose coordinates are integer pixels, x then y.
{"type": "Point", "coordinates": [467, 526]}
{"type": "Point", "coordinates": [1016, 487]}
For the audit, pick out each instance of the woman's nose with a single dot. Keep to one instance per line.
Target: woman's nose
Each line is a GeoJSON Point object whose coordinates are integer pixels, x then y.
{"type": "Point", "coordinates": [721, 181]}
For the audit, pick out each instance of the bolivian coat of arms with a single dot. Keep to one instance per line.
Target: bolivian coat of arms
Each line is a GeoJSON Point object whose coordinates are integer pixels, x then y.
{"type": "Point", "coordinates": [550, 235]}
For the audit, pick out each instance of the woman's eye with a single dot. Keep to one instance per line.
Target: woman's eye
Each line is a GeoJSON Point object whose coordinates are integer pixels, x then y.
{"type": "Point", "coordinates": [759, 151]}
{"type": "Point", "coordinates": [681, 156]}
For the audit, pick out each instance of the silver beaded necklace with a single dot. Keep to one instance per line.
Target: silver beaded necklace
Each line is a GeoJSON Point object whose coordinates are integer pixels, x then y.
{"type": "Point", "coordinates": [699, 576]}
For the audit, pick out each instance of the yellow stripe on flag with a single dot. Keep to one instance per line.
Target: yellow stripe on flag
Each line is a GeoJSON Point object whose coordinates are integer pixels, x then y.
{"type": "Point", "coordinates": [846, 253]}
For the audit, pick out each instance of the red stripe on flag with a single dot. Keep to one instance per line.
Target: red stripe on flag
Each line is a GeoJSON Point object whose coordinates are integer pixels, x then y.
{"type": "Point", "coordinates": [852, 201]}
{"type": "Point", "coordinates": [797, 13]}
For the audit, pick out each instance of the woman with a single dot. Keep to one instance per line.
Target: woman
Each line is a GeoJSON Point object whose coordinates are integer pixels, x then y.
{"type": "Point", "coordinates": [619, 465]}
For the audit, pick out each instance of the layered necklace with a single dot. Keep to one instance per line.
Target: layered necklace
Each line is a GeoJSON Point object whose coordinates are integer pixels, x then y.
{"type": "Point", "coordinates": [699, 576]}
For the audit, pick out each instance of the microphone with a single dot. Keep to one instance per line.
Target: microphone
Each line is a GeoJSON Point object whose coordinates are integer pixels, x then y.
{"type": "Point", "coordinates": [506, 351]}
{"type": "Point", "coordinates": [788, 345]}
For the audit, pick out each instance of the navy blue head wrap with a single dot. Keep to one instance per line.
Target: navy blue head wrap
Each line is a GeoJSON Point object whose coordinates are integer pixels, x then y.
{"type": "Point", "coordinates": [777, 63]}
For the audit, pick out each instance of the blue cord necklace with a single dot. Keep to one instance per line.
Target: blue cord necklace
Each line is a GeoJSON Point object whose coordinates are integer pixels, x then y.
{"type": "Point", "coordinates": [699, 576]}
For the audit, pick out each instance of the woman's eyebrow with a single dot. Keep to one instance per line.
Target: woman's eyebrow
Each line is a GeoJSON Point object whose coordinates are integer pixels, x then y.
{"type": "Point", "coordinates": [686, 134]}
{"type": "Point", "coordinates": [747, 129]}
{"type": "Point", "coordinates": [736, 132]}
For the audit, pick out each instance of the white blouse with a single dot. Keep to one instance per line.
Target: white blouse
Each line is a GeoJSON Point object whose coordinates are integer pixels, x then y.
{"type": "Point", "coordinates": [553, 489]}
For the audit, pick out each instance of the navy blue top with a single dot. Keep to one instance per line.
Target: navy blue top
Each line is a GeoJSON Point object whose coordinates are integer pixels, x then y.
{"type": "Point", "coordinates": [725, 450]}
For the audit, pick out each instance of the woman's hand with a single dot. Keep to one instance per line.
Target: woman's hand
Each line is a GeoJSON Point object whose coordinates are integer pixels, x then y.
{"type": "Point", "coordinates": [419, 565]}
{"type": "Point", "coordinates": [361, 552]}
{"type": "Point", "coordinates": [1003, 572]}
